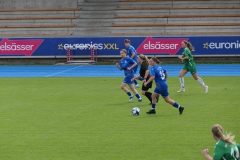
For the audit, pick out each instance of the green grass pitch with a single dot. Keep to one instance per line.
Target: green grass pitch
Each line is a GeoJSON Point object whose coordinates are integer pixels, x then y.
{"type": "Point", "coordinates": [90, 119]}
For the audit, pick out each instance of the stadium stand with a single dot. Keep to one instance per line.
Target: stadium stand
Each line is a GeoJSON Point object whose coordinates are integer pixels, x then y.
{"type": "Point", "coordinates": [119, 17]}
{"type": "Point", "coordinates": [36, 18]}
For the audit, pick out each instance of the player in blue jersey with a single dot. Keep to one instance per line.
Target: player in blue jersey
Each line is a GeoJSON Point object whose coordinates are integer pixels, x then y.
{"type": "Point", "coordinates": [127, 64]}
{"type": "Point", "coordinates": [160, 75]}
{"type": "Point", "coordinates": [133, 54]}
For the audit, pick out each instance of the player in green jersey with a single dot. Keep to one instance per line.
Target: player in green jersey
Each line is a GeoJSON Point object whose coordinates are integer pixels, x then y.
{"type": "Point", "coordinates": [189, 66]}
{"type": "Point", "coordinates": [225, 148]}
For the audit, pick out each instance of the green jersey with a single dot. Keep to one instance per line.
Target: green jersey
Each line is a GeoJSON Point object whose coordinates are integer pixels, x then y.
{"type": "Point", "coordinates": [187, 53]}
{"type": "Point", "coordinates": [225, 151]}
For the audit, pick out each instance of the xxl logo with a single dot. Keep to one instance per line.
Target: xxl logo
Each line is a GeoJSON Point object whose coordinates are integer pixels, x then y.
{"type": "Point", "coordinates": [160, 45]}
{"type": "Point", "coordinates": [84, 46]}
{"type": "Point", "coordinates": [19, 47]}
{"type": "Point", "coordinates": [222, 45]}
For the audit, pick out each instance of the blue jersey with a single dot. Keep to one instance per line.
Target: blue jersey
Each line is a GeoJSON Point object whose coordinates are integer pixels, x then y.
{"type": "Point", "coordinates": [125, 63]}
{"type": "Point", "coordinates": [132, 50]}
{"type": "Point", "coordinates": [160, 77]}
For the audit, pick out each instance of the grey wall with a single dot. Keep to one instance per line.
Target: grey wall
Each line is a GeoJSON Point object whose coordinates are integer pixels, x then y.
{"type": "Point", "coordinates": [24, 4]}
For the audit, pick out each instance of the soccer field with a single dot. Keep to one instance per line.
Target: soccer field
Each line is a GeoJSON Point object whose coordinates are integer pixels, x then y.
{"type": "Point", "coordinates": [90, 118]}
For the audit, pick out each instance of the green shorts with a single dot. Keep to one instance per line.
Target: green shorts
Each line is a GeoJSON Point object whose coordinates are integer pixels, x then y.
{"type": "Point", "coordinates": [191, 68]}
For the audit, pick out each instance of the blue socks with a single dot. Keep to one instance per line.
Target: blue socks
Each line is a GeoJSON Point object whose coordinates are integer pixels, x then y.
{"type": "Point", "coordinates": [153, 106]}
{"type": "Point", "coordinates": [129, 94]}
{"type": "Point", "coordinates": [176, 105]}
{"type": "Point", "coordinates": [138, 96]}
{"type": "Point", "coordinates": [135, 82]}
{"type": "Point", "coordinates": [140, 79]}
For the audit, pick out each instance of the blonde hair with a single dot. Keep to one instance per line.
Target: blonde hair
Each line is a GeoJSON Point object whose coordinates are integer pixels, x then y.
{"type": "Point", "coordinates": [189, 45]}
{"type": "Point", "coordinates": [144, 58]}
{"type": "Point", "coordinates": [155, 60]}
{"type": "Point", "coordinates": [218, 132]}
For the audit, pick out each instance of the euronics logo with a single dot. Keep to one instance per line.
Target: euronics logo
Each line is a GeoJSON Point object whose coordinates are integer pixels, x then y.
{"type": "Point", "coordinates": [222, 45]}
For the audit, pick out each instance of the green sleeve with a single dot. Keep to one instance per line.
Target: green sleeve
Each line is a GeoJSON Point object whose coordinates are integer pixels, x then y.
{"type": "Point", "coordinates": [238, 145]}
{"type": "Point", "coordinates": [218, 153]}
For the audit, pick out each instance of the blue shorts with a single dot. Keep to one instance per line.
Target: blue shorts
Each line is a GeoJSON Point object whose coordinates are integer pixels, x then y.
{"type": "Point", "coordinates": [163, 91]}
{"type": "Point", "coordinates": [128, 79]}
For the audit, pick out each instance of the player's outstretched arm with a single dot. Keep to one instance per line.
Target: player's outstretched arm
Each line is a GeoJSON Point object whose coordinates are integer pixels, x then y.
{"type": "Point", "coordinates": [136, 77]}
{"type": "Point", "coordinates": [129, 68]}
{"type": "Point", "coordinates": [206, 155]}
{"type": "Point", "coordinates": [150, 80]}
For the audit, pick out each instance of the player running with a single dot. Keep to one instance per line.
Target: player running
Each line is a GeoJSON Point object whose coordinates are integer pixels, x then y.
{"type": "Point", "coordinates": [127, 64]}
{"type": "Point", "coordinates": [145, 75]}
{"type": "Point", "coordinates": [189, 66]}
{"type": "Point", "coordinates": [132, 54]}
{"type": "Point", "coordinates": [225, 147]}
{"type": "Point", "coordinates": [160, 76]}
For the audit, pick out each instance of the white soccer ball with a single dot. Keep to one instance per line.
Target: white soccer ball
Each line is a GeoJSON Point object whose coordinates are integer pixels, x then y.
{"type": "Point", "coordinates": [136, 111]}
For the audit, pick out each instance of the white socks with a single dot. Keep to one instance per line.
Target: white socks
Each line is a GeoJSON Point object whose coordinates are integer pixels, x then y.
{"type": "Point", "coordinates": [181, 82]}
{"type": "Point", "coordinates": [201, 82]}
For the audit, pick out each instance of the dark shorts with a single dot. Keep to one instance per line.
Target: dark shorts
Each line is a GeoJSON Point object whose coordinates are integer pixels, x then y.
{"type": "Point", "coordinates": [147, 87]}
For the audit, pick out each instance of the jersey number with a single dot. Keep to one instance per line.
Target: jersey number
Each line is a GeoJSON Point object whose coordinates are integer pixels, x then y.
{"type": "Point", "coordinates": [162, 74]}
{"type": "Point", "coordinates": [233, 154]}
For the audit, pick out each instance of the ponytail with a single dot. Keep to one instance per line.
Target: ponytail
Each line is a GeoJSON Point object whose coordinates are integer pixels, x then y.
{"type": "Point", "coordinates": [144, 58]}
{"type": "Point", "coordinates": [218, 132]}
{"type": "Point", "coordinates": [156, 60]}
{"type": "Point", "coordinates": [189, 45]}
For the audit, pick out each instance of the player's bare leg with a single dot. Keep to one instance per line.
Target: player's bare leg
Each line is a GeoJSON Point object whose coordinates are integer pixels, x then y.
{"type": "Point", "coordinates": [195, 76]}
{"type": "Point", "coordinates": [123, 87]}
{"type": "Point", "coordinates": [135, 92]}
{"type": "Point", "coordinates": [181, 75]}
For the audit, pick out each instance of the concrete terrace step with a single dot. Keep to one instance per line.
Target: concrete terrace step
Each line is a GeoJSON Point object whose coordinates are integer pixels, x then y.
{"type": "Point", "coordinates": [34, 22]}
{"type": "Point", "coordinates": [153, 12]}
{"type": "Point", "coordinates": [158, 20]}
{"type": "Point", "coordinates": [36, 26]}
{"type": "Point", "coordinates": [98, 8]}
{"type": "Point", "coordinates": [178, 16]}
{"type": "Point", "coordinates": [163, 3]}
{"type": "Point", "coordinates": [37, 18]}
{"type": "Point", "coordinates": [105, 32]}
{"type": "Point", "coordinates": [176, 12]}
{"type": "Point", "coordinates": [130, 29]}
{"type": "Point", "coordinates": [101, 3]}
{"type": "Point", "coordinates": [96, 16]}
{"type": "Point", "coordinates": [94, 1]}
{"type": "Point", "coordinates": [182, 29]}
{"type": "Point", "coordinates": [26, 14]}
{"type": "Point", "coordinates": [35, 35]}
{"type": "Point", "coordinates": [174, 24]}
{"type": "Point", "coordinates": [174, 33]}
{"type": "Point", "coordinates": [176, 4]}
